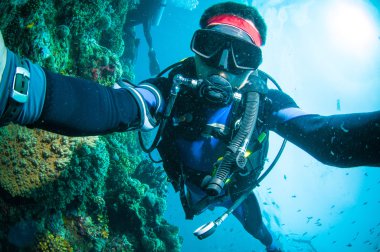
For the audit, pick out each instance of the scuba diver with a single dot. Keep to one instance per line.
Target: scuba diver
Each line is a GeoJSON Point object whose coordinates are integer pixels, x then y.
{"type": "Point", "coordinates": [214, 112]}
{"type": "Point", "coordinates": [148, 13]}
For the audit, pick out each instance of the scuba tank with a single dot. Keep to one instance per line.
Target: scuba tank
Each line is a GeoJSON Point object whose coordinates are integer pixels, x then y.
{"type": "Point", "coordinates": [156, 19]}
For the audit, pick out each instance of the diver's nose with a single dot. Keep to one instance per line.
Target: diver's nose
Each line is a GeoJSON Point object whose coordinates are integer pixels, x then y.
{"type": "Point", "coordinates": [223, 61]}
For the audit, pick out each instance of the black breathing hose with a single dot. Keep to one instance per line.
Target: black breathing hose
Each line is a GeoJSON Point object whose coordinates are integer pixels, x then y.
{"type": "Point", "coordinates": [248, 123]}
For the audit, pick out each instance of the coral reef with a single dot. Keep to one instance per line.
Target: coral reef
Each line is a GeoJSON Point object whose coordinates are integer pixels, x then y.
{"type": "Point", "coordinates": [32, 159]}
{"type": "Point", "coordinates": [62, 193]}
{"type": "Point", "coordinates": [152, 175]}
{"type": "Point", "coordinates": [71, 37]}
{"type": "Point", "coordinates": [135, 209]}
{"type": "Point", "coordinates": [52, 242]}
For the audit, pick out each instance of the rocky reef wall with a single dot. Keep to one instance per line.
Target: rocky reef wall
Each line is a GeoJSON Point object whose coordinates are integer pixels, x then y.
{"type": "Point", "coordinates": [62, 193]}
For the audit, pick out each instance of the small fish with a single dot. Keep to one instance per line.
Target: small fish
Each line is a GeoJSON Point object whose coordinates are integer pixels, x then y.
{"type": "Point", "coordinates": [343, 128]}
{"type": "Point", "coordinates": [294, 196]}
{"type": "Point", "coordinates": [349, 245]}
{"type": "Point", "coordinates": [285, 176]}
{"type": "Point", "coordinates": [318, 222]}
{"type": "Point", "coordinates": [356, 236]}
{"type": "Point", "coordinates": [338, 104]}
{"type": "Point", "coordinates": [332, 206]}
{"type": "Point", "coordinates": [371, 230]}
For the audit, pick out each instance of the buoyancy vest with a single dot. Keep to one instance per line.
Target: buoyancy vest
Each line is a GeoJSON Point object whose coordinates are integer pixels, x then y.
{"type": "Point", "coordinates": [196, 135]}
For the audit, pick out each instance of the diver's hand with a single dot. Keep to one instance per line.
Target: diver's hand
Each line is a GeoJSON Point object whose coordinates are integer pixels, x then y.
{"type": "Point", "coordinates": [150, 103]}
{"type": "Point", "coordinates": [154, 101]}
{"type": "Point", "coordinates": [154, 67]}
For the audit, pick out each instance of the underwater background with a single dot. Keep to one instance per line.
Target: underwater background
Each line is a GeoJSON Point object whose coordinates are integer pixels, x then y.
{"type": "Point", "coordinates": [102, 194]}
{"type": "Point", "coordinates": [326, 55]}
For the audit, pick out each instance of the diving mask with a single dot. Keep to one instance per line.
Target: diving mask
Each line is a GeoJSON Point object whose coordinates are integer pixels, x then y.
{"type": "Point", "coordinates": [212, 45]}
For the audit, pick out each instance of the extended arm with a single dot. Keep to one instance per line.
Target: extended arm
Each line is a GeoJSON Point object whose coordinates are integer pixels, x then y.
{"type": "Point", "coordinates": [70, 106]}
{"type": "Point", "coordinates": [346, 140]}
{"type": "Point", "coordinates": [81, 107]}
{"type": "Point", "coordinates": [338, 140]}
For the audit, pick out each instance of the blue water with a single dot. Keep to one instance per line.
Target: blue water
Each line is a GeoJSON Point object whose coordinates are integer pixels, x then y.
{"type": "Point", "coordinates": [326, 55]}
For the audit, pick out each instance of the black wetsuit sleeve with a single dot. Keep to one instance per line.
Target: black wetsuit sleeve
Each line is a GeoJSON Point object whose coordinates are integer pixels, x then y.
{"type": "Point", "coordinates": [276, 101]}
{"type": "Point", "coordinates": [78, 107]}
{"type": "Point", "coordinates": [346, 140]}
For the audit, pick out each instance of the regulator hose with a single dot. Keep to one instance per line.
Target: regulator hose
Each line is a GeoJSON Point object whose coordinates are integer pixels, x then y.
{"type": "Point", "coordinates": [248, 123]}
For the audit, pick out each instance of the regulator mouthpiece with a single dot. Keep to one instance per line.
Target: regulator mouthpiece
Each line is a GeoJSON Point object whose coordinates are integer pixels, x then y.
{"type": "Point", "coordinates": [216, 90]}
